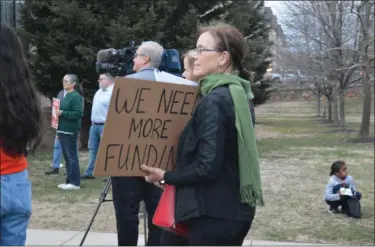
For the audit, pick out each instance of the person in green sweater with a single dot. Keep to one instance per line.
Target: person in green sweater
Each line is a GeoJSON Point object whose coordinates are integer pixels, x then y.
{"type": "Point", "coordinates": [70, 114]}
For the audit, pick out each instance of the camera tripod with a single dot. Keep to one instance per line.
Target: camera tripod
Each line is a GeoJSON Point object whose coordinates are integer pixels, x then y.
{"type": "Point", "coordinates": [102, 199]}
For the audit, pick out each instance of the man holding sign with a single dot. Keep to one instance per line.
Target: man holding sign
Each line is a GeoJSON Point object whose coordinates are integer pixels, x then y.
{"type": "Point", "coordinates": [129, 191]}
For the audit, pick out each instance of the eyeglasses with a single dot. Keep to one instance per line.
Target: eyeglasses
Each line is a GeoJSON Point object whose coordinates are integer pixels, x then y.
{"type": "Point", "coordinates": [65, 81]}
{"type": "Point", "coordinates": [199, 50]}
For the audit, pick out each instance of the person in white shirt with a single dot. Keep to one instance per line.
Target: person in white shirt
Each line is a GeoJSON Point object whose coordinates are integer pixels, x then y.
{"type": "Point", "coordinates": [99, 113]}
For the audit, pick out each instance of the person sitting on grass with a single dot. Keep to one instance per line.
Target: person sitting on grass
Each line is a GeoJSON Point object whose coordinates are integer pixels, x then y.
{"type": "Point", "coordinates": [339, 178]}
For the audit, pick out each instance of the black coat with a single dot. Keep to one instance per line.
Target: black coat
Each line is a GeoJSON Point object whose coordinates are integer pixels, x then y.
{"type": "Point", "coordinates": [207, 169]}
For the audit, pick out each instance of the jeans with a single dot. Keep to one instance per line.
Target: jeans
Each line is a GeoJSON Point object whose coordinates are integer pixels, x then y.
{"type": "Point", "coordinates": [127, 193]}
{"type": "Point", "coordinates": [94, 141]}
{"type": "Point", "coordinates": [70, 152]}
{"type": "Point", "coordinates": [15, 208]}
{"type": "Point", "coordinates": [57, 153]}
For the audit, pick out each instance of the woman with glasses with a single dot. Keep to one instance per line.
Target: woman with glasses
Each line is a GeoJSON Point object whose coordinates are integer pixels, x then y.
{"type": "Point", "coordinates": [70, 115]}
{"type": "Point", "coordinates": [189, 59]}
{"type": "Point", "coordinates": [20, 132]}
{"type": "Point", "coordinates": [217, 175]}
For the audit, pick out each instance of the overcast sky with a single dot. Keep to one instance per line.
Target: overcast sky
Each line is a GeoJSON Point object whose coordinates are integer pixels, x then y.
{"type": "Point", "coordinates": [276, 6]}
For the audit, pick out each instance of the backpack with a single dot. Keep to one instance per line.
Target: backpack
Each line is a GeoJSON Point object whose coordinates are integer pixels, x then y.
{"type": "Point", "coordinates": [352, 207]}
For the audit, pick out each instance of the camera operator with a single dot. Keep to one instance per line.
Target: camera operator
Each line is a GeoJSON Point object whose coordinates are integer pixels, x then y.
{"type": "Point", "coordinates": [129, 191]}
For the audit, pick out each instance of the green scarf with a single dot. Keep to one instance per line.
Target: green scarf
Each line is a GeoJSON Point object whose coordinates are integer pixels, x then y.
{"type": "Point", "coordinates": [250, 180]}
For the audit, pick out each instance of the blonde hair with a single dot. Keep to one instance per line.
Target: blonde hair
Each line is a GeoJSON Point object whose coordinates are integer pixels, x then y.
{"type": "Point", "coordinates": [189, 55]}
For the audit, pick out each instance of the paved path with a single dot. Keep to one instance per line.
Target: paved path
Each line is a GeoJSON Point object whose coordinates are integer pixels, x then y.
{"type": "Point", "coordinates": [52, 237]}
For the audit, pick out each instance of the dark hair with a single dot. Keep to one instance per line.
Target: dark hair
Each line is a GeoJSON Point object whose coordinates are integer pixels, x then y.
{"type": "Point", "coordinates": [230, 39]}
{"type": "Point", "coordinates": [20, 107]}
{"type": "Point", "coordinates": [336, 166]}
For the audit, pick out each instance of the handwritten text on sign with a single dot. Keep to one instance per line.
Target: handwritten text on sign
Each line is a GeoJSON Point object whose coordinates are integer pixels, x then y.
{"type": "Point", "coordinates": [144, 122]}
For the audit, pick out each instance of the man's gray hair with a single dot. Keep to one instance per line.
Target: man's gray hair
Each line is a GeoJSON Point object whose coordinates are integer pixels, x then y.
{"type": "Point", "coordinates": [154, 51]}
{"type": "Point", "coordinates": [73, 78]}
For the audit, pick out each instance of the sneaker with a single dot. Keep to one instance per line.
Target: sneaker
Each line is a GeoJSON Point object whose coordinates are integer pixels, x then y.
{"type": "Point", "coordinates": [334, 210]}
{"type": "Point", "coordinates": [60, 186]}
{"type": "Point", "coordinates": [70, 187]}
{"type": "Point", "coordinates": [53, 171]}
{"type": "Point", "coordinates": [61, 165]}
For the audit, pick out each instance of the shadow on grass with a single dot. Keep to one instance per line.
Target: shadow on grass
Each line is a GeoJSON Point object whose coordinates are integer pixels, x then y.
{"type": "Point", "coordinates": [362, 140]}
{"type": "Point", "coordinates": [344, 130]}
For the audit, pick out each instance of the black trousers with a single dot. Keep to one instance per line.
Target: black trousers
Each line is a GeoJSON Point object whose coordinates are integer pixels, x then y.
{"type": "Point", "coordinates": [207, 231]}
{"type": "Point", "coordinates": [341, 202]}
{"type": "Point", "coordinates": [127, 194]}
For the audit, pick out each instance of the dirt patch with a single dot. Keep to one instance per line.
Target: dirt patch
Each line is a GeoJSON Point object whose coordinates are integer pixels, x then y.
{"type": "Point", "coordinates": [74, 217]}
{"type": "Point", "coordinates": [262, 132]}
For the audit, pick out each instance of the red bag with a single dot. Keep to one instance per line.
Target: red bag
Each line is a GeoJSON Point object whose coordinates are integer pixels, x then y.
{"type": "Point", "coordinates": [164, 214]}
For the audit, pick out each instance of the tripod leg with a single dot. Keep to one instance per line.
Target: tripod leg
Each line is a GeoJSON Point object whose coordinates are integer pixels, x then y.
{"type": "Point", "coordinates": [145, 229]}
{"type": "Point", "coordinates": [101, 200]}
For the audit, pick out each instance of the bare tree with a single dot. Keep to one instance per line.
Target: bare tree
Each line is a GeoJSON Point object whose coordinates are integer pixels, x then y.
{"type": "Point", "coordinates": [309, 53]}
{"type": "Point", "coordinates": [365, 14]}
{"type": "Point", "coordinates": [337, 57]}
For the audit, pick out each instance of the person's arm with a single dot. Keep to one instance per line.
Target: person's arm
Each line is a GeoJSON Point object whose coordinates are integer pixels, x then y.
{"type": "Point", "coordinates": [210, 120]}
{"type": "Point", "coordinates": [60, 95]}
{"type": "Point", "coordinates": [351, 183]}
{"type": "Point", "coordinates": [329, 195]}
{"type": "Point", "coordinates": [77, 111]}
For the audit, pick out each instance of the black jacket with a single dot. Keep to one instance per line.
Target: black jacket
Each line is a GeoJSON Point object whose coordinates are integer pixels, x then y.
{"type": "Point", "coordinates": [207, 171]}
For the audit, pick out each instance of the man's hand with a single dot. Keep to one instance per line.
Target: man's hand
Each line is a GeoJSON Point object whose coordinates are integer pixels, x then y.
{"type": "Point", "coordinates": [154, 174]}
{"type": "Point", "coordinates": [59, 113]}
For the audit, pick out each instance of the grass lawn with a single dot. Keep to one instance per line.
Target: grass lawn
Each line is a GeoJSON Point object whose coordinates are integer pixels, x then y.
{"type": "Point", "coordinates": [296, 153]}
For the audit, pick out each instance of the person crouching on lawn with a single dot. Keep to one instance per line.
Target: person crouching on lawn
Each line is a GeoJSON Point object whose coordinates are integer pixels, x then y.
{"type": "Point", "coordinates": [339, 178]}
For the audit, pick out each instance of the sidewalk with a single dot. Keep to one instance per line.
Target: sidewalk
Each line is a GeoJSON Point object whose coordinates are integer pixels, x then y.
{"type": "Point", "coordinates": [52, 237]}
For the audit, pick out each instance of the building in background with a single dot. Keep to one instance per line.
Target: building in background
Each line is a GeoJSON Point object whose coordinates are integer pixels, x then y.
{"type": "Point", "coordinates": [278, 38]}
{"type": "Point", "coordinates": [10, 12]}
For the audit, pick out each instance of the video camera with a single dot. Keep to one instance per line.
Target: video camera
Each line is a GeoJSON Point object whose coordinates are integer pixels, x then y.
{"type": "Point", "coordinates": [120, 62]}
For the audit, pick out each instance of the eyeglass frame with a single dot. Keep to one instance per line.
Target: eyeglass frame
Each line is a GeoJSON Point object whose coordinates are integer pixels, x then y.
{"type": "Point", "coordinates": [199, 50]}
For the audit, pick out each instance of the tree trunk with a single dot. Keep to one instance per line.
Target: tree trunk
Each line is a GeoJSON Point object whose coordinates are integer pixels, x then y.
{"type": "Point", "coordinates": [330, 110]}
{"type": "Point", "coordinates": [342, 109]}
{"type": "Point", "coordinates": [335, 108]}
{"type": "Point", "coordinates": [364, 131]}
{"type": "Point", "coordinates": [318, 104]}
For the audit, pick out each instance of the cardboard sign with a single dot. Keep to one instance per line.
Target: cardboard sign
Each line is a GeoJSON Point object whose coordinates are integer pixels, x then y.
{"type": "Point", "coordinates": [55, 108]}
{"type": "Point", "coordinates": [144, 122]}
